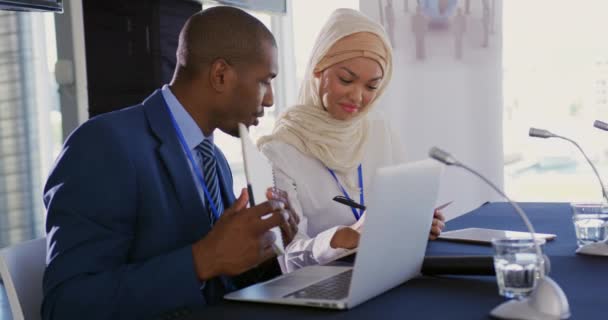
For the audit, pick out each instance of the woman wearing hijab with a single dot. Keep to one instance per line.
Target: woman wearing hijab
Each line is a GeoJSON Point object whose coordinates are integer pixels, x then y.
{"type": "Point", "coordinates": [331, 143]}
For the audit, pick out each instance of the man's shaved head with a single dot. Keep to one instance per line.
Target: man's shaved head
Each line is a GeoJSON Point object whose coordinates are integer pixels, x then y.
{"type": "Point", "coordinates": [226, 60]}
{"type": "Point", "coordinates": [221, 33]}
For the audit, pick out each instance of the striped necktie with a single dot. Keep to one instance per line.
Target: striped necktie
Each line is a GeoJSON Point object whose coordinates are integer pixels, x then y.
{"type": "Point", "coordinates": [209, 166]}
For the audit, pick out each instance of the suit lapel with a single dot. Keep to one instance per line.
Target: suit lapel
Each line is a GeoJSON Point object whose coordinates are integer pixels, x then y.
{"type": "Point", "coordinates": [172, 155]}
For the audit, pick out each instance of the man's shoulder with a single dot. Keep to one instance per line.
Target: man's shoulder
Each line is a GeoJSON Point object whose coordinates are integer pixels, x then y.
{"type": "Point", "coordinates": [118, 117]}
{"type": "Point", "coordinates": [127, 119]}
{"type": "Point", "coordinates": [123, 119]}
{"type": "Point", "coordinates": [118, 130]}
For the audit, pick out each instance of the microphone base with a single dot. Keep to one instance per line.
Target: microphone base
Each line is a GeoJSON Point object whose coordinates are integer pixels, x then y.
{"type": "Point", "coordinates": [594, 249]}
{"type": "Point", "coordinates": [546, 302]}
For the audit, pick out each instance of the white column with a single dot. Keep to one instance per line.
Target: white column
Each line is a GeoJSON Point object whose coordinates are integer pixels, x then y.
{"type": "Point", "coordinates": [285, 84]}
{"type": "Point", "coordinates": [71, 67]}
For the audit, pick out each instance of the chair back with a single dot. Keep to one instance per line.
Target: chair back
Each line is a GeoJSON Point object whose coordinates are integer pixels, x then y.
{"type": "Point", "coordinates": [21, 268]}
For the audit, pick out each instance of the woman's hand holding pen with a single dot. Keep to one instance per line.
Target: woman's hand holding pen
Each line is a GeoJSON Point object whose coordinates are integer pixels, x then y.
{"type": "Point", "coordinates": [358, 226]}
{"type": "Point", "coordinates": [348, 237]}
{"type": "Point", "coordinates": [345, 238]}
{"type": "Point", "coordinates": [438, 222]}
{"type": "Point", "coordinates": [437, 226]}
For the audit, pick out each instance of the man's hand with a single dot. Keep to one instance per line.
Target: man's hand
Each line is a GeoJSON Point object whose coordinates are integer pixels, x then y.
{"type": "Point", "coordinates": [239, 241]}
{"type": "Point", "coordinates": [437, 226]}
{"type": "Point", "coordinates": [290, 227]}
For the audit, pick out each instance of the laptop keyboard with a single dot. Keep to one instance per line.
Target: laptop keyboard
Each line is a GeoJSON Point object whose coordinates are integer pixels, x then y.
{"type": "Point", "coordinates": [333, 288]}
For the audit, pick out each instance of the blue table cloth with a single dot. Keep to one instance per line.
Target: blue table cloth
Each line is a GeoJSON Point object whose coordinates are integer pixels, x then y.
{"type": "Point", "coordinates": [583, 278]}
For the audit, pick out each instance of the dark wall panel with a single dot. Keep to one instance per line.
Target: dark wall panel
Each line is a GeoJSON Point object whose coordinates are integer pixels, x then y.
{"type": "Point", "coordinates": [130, 48]}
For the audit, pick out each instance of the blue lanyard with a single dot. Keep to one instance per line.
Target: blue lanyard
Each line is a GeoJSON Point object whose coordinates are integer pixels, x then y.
{"type": "Point", "coordinates": [361, 197]}
{"type": "Point", "coordinates": [195, 166]}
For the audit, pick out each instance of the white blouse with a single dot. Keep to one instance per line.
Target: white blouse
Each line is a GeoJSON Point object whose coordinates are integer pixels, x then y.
{"type": "Point", "coordinates": [311, 188]}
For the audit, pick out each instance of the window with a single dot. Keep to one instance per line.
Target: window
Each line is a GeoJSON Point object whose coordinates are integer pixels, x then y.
{"type": "Point", "coordinates": [554, 62]}
{"type": "Point", "coordinates": [28, 107]}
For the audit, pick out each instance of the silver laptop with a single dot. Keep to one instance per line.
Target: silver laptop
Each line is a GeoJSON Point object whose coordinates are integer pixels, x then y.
{"type": "Point", "coordinates": [391, 249]}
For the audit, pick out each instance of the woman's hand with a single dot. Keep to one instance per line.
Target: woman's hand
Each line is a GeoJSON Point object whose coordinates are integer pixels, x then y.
{"type": "Point", "coordinates": [438, 225]}
{"type": "Point", "coordinates": [346, 238]}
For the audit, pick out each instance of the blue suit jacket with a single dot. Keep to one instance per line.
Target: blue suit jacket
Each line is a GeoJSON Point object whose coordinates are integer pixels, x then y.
{"type": "Point", "coordinates": [122, 214]}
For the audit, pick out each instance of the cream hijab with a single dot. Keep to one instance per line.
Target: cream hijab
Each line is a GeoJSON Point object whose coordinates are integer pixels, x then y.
{"type": "Point", "coordinates": [338, 144]}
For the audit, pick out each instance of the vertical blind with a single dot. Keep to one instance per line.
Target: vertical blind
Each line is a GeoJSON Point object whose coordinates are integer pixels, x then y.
{"type": "Point", "coordinates": [21, 213]}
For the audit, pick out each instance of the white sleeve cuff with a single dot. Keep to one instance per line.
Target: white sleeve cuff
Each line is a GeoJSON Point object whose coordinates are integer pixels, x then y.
{"type": "Point", "coordinates": [322, 250]}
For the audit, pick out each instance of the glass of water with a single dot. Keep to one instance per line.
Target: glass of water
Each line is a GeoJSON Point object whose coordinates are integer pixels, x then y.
{"type": "Point", "coordinates": [590, 222]}
{"type": "Point", "coordinates": [517, 266]}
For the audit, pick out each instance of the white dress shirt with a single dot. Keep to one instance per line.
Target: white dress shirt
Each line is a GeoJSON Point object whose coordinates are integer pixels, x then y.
{"type": "Point", "coordinates": [311, 188]}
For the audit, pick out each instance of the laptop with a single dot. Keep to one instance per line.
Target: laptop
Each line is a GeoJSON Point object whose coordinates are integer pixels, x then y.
{"type": "Point", "coordinates": [391, 249]}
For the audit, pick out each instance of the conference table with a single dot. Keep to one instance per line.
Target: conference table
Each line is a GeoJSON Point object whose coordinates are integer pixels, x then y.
{"type": "Point", "coordinates": [584, 279]}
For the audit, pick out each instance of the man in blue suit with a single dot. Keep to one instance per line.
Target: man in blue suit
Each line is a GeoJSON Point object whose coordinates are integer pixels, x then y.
{"type": "Point", "coordinates": [141, 218]}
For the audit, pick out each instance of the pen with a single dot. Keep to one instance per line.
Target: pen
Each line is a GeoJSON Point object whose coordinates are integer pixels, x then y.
{"type": "Point", "coordinates": [348, 202]}
{"type": "Point", "coordinates": [250, 192]}
{"type": "Point", "coordinates": [444, 205]}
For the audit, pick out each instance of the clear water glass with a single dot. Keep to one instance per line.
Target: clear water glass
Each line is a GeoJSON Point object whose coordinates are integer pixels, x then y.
{"type": "Point", "coordinates": [590, 222]}
{"type": "Point", "coordinates": [517, 266]}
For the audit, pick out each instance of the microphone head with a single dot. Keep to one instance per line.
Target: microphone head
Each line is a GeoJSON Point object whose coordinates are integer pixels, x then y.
{"type": "Point", "coordinates": [442, 156]}
{"type": "Point", "coordinates": [540, 133]}
{"type": "Point", "coordinates": [600, 125]}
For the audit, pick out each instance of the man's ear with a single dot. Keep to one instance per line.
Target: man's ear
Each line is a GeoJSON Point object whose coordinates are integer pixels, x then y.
{"type": "Point", "coordinates": [221, 75]}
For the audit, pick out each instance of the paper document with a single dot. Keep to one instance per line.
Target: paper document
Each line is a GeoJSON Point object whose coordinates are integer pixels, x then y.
{"type": "Point", "coordinates": [260, 177]}
{"type": "Point", "coordinates": [482, 235]}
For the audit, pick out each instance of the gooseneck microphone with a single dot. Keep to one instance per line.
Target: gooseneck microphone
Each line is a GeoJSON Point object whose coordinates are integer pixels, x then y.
{"type": "Point", "coordinates": [547, 298]}
{"type": "Point", "coordinates": [541, 133]}
{"type": "Point", "coordinates": [598, 248]}
{"type": "Point", "coordinates": [600, 125]}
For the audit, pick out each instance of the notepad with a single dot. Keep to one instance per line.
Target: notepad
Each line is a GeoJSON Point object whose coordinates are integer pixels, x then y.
{"type": "Point", "coordinates": [485, 236]}
{"type": "Point", "coordinates": [260, 177]}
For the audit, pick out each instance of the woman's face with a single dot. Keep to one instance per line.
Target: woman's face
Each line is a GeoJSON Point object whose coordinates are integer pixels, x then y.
{"type": "Point", "coordinates": [347, 88]}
